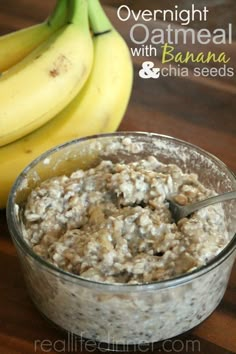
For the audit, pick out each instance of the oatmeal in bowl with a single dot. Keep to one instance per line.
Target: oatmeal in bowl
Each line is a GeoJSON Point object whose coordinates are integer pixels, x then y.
{"type": "Point", "coordinates": [100, 251]}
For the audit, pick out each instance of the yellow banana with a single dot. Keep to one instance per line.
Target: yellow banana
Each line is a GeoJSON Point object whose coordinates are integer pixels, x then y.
{"type": "Point", "coordinates": [42, 84]}
{"type": "Point", "coordinates": [17, 45]}
{"type": "Point", "coordinates": [99, 107]}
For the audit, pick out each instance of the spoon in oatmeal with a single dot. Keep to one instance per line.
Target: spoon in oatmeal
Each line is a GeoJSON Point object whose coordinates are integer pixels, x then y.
{"type": "Point", "coordinates": [179, 211]}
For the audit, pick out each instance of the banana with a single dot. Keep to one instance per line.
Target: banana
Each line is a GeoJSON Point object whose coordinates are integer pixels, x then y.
{"type": "Point", "coordinates": [17, 45]}
{"type": "Point", "coordinates": [41, 85]}
{"type": "Point", "coordinates": [98, 108]}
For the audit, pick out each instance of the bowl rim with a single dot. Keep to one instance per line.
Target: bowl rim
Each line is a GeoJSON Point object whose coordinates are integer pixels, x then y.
{"type": "Point", "coordinates": [15, 231]}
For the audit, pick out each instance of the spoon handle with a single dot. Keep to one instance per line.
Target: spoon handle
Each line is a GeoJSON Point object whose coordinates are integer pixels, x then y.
{"type": "Point", "coordinates": [212, 200]}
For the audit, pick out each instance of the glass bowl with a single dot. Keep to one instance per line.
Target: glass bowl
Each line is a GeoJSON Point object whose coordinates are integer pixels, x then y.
{"type": "Point", "coordinates": [123, 314]}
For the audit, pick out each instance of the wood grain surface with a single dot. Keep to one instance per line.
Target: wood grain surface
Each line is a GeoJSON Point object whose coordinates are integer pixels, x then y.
{"type": "Point", "coordinates": [199, 110]}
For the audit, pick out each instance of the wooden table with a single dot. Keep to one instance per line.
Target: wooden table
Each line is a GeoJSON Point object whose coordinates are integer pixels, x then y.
{"type": "Point", "coordinates": [197, 109]}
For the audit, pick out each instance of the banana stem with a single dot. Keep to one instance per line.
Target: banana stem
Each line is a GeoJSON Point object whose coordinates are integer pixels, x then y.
{"type": "Point", "coordinates": [59, 15]}
{"type": "Point", "coordinates": [79, 14]}
{"type": "Point", "coordinates": [98, 19]}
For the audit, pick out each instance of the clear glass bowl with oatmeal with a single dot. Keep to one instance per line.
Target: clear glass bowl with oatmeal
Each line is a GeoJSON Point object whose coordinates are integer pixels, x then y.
{"type": "Point", "coordinates": [102, 257]}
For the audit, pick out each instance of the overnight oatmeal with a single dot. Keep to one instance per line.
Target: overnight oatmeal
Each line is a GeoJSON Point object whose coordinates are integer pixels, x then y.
{"type": "Point", "coordinates": [101, 255]}
{"type": "Point", "coordinates": [111, 223]}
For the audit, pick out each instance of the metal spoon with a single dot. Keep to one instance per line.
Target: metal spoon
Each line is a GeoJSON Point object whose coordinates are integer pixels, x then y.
{"type": "Point", "coordinates": [178, 211]}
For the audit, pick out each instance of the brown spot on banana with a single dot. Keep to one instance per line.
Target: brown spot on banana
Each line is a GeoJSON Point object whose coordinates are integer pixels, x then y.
{"type": "Point", "coordinates": [61, 65]}
{"type": "Point", "coordinates": [38, 56]}
{"type": "Point", "coordinates": [54, 72]}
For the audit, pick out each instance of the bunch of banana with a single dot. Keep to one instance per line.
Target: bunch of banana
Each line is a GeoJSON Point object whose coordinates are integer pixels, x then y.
{"type": "Point", "coordinates": [96, 108]}
{"type": "Point", "coordinates": [50, 77]}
